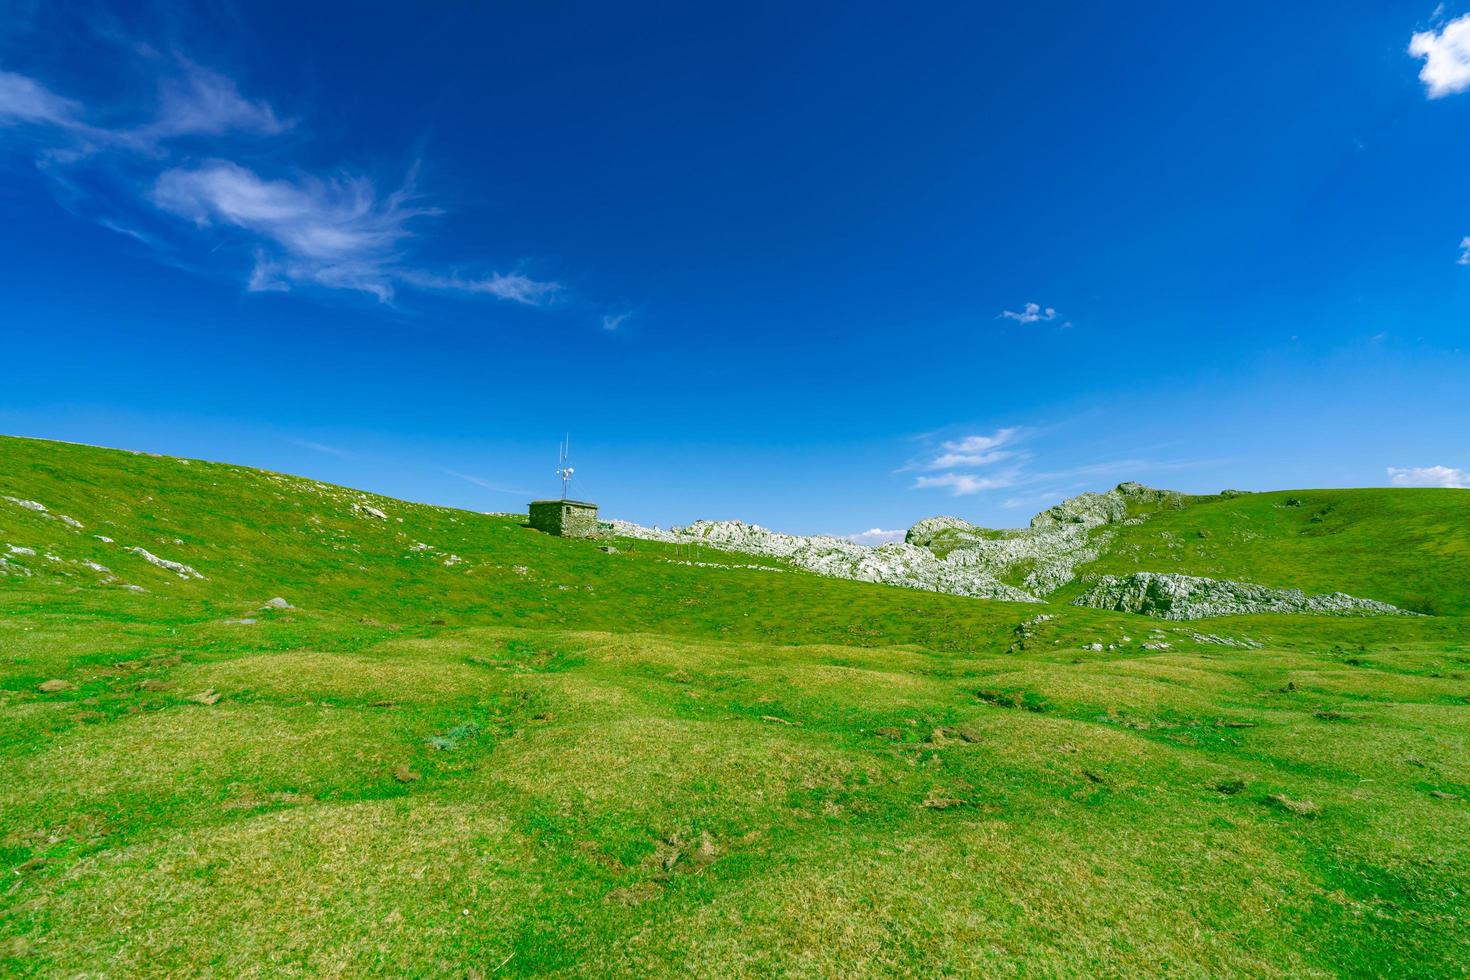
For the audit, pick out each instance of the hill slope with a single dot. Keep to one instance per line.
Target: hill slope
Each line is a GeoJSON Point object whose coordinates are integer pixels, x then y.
{"type": "Point", "coordinates": [466, 748]}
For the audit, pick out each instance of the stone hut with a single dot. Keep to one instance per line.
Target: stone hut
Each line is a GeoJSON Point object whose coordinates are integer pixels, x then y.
{"type": "Point", "coordinates": [564, 518]}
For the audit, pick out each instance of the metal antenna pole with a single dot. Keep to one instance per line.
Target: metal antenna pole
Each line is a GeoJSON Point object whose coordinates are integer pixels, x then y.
{"type": "Point", "coordinates": [565, 469]}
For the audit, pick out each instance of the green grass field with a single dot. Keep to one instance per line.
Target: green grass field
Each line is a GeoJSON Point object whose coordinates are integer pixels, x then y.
{"type": "Point", "coordinates": [472, 750]}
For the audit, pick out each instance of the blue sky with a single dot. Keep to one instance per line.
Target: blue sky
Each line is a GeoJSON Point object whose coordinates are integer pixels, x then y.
{"type": "Point", "coordinates": [828, 267]}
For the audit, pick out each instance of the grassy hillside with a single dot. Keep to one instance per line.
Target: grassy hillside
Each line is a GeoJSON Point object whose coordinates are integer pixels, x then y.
{"type": "Point", "coordinates": [469, 749]}
{"type": "Point", "coordinates": [1407, 547]}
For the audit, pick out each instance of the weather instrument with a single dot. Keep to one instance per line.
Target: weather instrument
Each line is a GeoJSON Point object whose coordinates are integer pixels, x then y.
{"type": "Point", "coordinates": [564, 470]}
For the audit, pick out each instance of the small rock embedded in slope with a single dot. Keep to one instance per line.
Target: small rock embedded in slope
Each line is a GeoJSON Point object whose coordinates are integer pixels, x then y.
{"type": "Point", "coordinates": [209, 696]}
{"type": "Point", "coordinates": [369, 511]}
{"type": "Point", "coordinates": [54, 686]}
{"type": "Point", "coordinates": [1177, 597]}
{"type": "Point", "coordinates": [178, 568]}
{"type": "Point", "coordinates": [277, 603]}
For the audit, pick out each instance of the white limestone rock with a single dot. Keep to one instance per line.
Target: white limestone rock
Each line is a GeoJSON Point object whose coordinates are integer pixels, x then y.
{"type": "Point", "coordinates": [1182, 597]}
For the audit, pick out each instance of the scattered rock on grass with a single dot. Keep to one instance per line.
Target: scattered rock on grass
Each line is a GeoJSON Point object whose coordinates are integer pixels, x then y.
{"type": "Point", "coordinates": [54, 686]}
{"type": "Point", "coordinates": [277, 603]}
{"type": "Point", "coordinates": [1302, 808]}
{"type": "Point", "coordinates": [1440, 794]}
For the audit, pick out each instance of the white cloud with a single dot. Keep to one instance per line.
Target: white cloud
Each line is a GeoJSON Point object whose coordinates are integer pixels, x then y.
{"type": "Point", "coordinates": [612, 321]}
{"type": "Point", "coordinates": [26, 100]}
{"type": "Point", "coordinates": [1429, 476]}
{"type": "Point", "coordinates": [949, 460]}
{"type": "Point", "coordinates": [874, 536]}
{"type": "Point", "coordinates": [1464, 258]}
{"type": "Point", "coordinates": [1446, 57]}
{"type": "Point", "coordinates": [338, 232]}
{"type": "Point", "coordinates": [980, 443]}
{"type": "Point", "coordinates": [201, 101]}
{"type": "Point", "coordinates": [512, 286]}
{"type": "Point", "coordinates": [975, 451]}
{"type": "Point", "coordinates": [1032, 313]}
{"type": "Point", "coordinates": [964, 484]}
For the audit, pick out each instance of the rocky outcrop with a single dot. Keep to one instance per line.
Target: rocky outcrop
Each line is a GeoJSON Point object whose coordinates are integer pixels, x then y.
{"type": "Point", "coordinates": [930, 530]}
{"type": "Point", "coordinates": [943, 554]}
{"type": "Point", "coordinates": [1045, 555]}
{"type": "Point", "coordinates": [1179, 597]}
{"type": "Point", "coordinates": [903, 565]}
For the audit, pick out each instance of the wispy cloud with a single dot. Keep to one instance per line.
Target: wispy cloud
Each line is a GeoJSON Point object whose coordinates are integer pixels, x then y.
{"type": "Point", "coordinates": [200, 101]}
{"type": "Point", "coordinates": [612, 321]}
{"type": "Point", "coordinates": [1429, 476]}
{"type": "Point", "coordinates": [487, 485]}
{"type": "Point", "coordinates": [1464, 258]}
{"type": "Point", "coordinates": [1030, 313]}
{"type": "Point", "coordinates": [25, 100]}
{"type": "Point", "coordinates": [1446, 55]}
{"type": "Point", "coordinates": [977, 451]}
{"type": "Point", "coordinates": [318, 447]}
{"type": "Point", "coordinates": [965, 484]}
{"type": "Point", "coordinates": [874, 536]}
{"type": "Point", "coordinates": [285, 228]}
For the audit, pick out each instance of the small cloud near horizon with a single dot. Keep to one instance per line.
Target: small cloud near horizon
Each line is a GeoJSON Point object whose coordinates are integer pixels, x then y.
{"type": "Point", "coordinates": [874, 536]}
{"type": "Point", "coordinates": [1429, 476]}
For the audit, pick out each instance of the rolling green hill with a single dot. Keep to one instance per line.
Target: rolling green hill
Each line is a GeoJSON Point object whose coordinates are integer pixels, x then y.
{"type": "Point", "coordinates": [1407, 547]}
{"type": "Point", "coordinates": [462, 748]}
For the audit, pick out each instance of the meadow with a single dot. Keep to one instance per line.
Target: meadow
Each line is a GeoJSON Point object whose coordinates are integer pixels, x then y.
{"type": "Point", "coordinates": [463, 748]}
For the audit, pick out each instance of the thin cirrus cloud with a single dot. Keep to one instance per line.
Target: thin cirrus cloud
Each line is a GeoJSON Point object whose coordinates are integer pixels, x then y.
{"type": "Point", "coordinates": [964, 484]}
{"type": "Point", "coordinates": [286, 229]}
{"type": "Point", "coordinates": [1446, 55]}
{"type": "Point", "coordinates": [978, 451]}
{"type": "Point", "coordinates": [1429, 476]}
{"type": "Point", "coordinates": [484, 484]}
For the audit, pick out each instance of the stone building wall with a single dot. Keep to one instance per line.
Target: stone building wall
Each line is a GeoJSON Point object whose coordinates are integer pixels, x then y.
{"type": "Point", "coordinates": [565, 518]}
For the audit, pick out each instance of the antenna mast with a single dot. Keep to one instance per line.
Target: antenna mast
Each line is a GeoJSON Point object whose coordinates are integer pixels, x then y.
{"type": "Point", "coordinates": [564, 469]}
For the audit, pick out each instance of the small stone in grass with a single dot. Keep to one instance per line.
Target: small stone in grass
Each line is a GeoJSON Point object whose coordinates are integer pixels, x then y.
{"type": "Point", "coordinates": [53, 686]}
{"type": "Point", "coordinates": [209, 696]}
{"type": "Point", "coordinates": [277, 603]}
{"type": "Point", "coordinates": [1302, 808]}
{"type": "Point", "coordinates": [1440, 794]}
